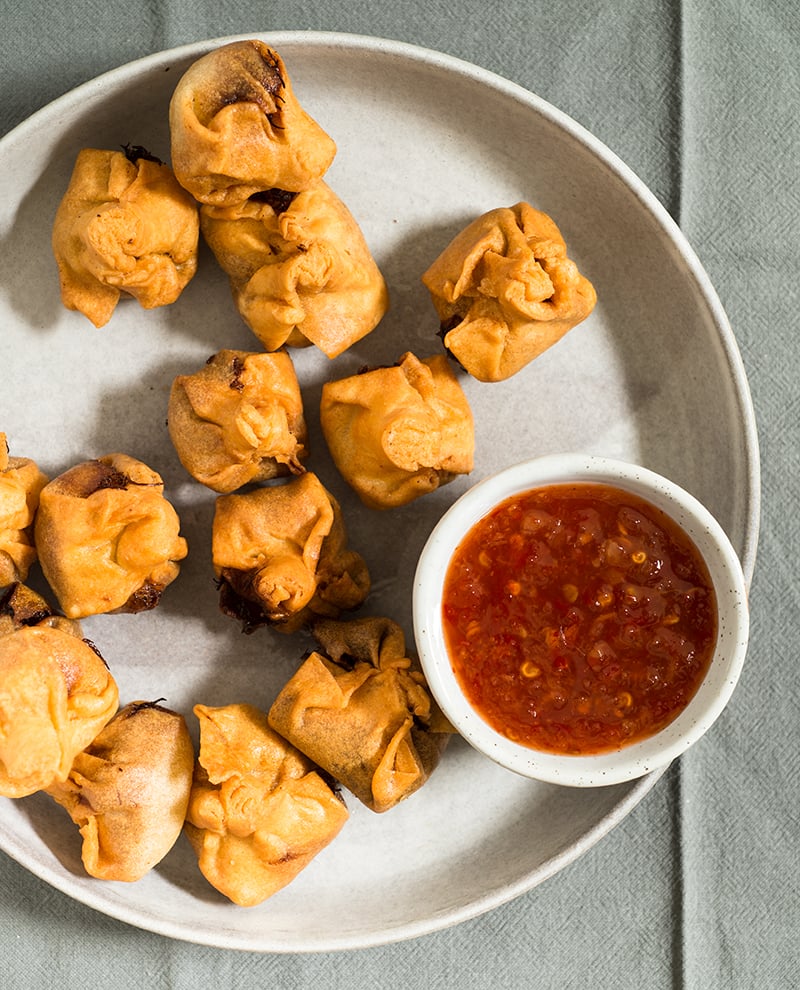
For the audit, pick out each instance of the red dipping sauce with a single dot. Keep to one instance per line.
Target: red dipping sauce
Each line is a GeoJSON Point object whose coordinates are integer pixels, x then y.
{"type": "Point", "coordinates": [579, 618]}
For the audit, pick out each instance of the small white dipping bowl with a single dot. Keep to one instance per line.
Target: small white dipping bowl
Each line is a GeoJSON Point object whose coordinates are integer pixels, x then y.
{"type": "Point", "coordinates": [635, 759]}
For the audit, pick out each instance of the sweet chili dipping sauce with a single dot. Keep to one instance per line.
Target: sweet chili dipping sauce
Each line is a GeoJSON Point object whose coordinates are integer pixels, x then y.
{"type": "Point", "coordinates": [579, 618]}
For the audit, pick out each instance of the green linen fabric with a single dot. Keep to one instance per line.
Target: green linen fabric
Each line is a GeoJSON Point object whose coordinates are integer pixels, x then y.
{"type": "Point", "coordinates": [698, 887]}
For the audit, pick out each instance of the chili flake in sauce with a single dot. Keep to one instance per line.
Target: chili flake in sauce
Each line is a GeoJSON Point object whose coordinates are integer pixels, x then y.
{"type": "Point", "coordinates": [579, 618]}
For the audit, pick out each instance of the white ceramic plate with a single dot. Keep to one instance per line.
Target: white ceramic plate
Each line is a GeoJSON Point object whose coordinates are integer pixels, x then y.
{"type": "Point", "coordinates": [425, 144]}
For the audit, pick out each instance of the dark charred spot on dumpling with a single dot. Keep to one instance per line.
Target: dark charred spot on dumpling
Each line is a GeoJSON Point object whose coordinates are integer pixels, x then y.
{"type": "Point", "coordinates": [242, 92]}
{"type": "Point", "coordinates": [274, 118]}
{"type": "Point", "coordinates": [279, 199]}
{"type": "Point", "coordinates": [345, 660]}
{"type": "Point", "coordinates": [83, 480]}
{"type": "Point", "coordinates": [444, 328]}
{"type": "Point", "coordinates": [113, 479]}
{"type": "Point", "coordinates": [420, 724]}
{"type": "Point", "coordinates": [144, 598]}
{"type": "Point", "coordinates": [36, 617]}
{"type": "Point", "coordinates": [24, 606]}
{"type": "Point", "coordinates": [138, 706]}
{"type": "Point", "coordinates": [95, 650]}
{"type": "Point", "coordinates": [237, 368]}
{"type": "Point", "coordinates": [135, 152]}
{"type": "Point", "coordinates": [332, 782]}
{"type": "Point", "coordinates": [449, 324]}
{"type": "Point", "coordinates": [271, 78]}
{"type": "Point", "coordinates": [236, 606]}
{"type": "Point", "coordinates": [259, 81]}
{"type": "Point", "coordinates": [273, 82]}
{"type": "Point", "coordinates": [365, 369]}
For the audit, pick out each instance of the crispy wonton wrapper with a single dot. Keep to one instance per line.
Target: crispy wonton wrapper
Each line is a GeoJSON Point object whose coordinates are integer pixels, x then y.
{"type": "Point", "coordinates": [107, 537]}
{"type": "Point", "coordinates": [128, 791]}
{"type": "Point", "coordinates": [237, 127]}
{"type": "Point", "coordinates": [361, 709]}
{"type": "Point", "coordinates": [300, 270]}
{"type": "Point", "coordinates": [505, 291]}
{"type": "Point", "coordinates": [239, 419]}
{"type": "Point", "coordinates": [21, 606]}
{"type": "Point", "coordinates": [124, 226]}
{"type": "Point", "coordinates": [259, 810]}
{"type": "Point", "coordinates": [56, 694]}
{"type": "Point", "coordinates": [281, 557]}
{"type": "Point", "coordinates": [21, 481]}
{"type": "Point", "coordinates": [397, 433]}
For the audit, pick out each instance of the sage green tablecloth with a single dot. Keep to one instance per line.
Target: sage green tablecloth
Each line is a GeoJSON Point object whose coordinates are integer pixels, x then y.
{"type": "Point", "coordinates": [698, 887]}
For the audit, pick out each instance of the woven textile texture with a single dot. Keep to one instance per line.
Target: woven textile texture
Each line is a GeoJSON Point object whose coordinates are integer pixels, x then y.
{"type": "Point", "coordinates": [699, 886]}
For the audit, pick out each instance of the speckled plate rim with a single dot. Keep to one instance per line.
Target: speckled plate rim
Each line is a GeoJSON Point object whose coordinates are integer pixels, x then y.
{"type": "Point", "coordinates": [469, 72]}
{"type": "Point", "coordinates": [460, 67]}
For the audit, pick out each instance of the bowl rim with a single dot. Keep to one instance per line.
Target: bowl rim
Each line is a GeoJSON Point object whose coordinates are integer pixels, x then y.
{"type": "Point", "coordinates": [636, 759]}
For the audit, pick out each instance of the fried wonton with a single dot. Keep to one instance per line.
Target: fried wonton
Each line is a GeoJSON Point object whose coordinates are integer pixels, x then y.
{"type": "Point", "coordinates": [397, 433]}
{"type": "Point", "coordinates": [239, 419]}
{"type": "Point", "coordinates": [299, 267]}
{"type": "Point", "coordinates": [21, 606]}
{"type": "Point", "coordinates": [237, 127]}
{"type": "Point", "coordinates": [259, 811]}
{"type": "Point", "coordinates": [124, 226]}
{"type": "Point", "coordinates": [505, 291]}
{"type": "Point", "coordinates": [280, 555]}
{"type": "Point", "coordinates": [21, 481]}
{"type": "Point", "coordinates": [108, 539]}
{"type": "Point", "coordinates": [56, 694]}
{"type": "Point", "coordinates": [128, 791]}
{"type": "Point", "coordinates": [361, 709]}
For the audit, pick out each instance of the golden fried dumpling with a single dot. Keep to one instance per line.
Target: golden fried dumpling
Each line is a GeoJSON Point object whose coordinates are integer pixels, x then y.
{"type": "Point", "coordinates": [259, 811]}
{"type": "Point", "coordinates": [124, 226]}
{"type": "Point", "coordinates": [128, 791]}
{"type": "Point", "coordinates": [505, 291]}
{"type": "Point", "coordinates": [299, 267]}
{"type": "Point", "coordinates": [281, 557]}
{"type": "Point", "coordinates": [361, 709]}
{"type": "Point", "coordinates": [399, 432]}
{"type": "Point", "coordinates": [237, 127]}
{"type": "Point", "coordinates": [108, 539]}
{"type": "Point", "coordinates": [21, 481]}
{"type": "Point", "coordinates": [239, 419]}
{"type": "Point", "coordinates": [21, 606]}
{"type": "Point", "coordinates": [56, 694]}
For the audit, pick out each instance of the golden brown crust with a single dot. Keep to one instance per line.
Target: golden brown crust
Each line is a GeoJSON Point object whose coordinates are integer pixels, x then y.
{"type": "Point", "coordinates": [259, 810]}
{"type": "Point", "coordinates": [56, 694]}
{"type": "Point", "coordinates": [128, 791]}
{"type": "Point", "coordinates": [21, 482]}
{"type": "Point", "coordinates": [505, 291]}
{"type": "Point", "coordinates": [107, 537]}
{"type": "Point", "coordinates": [21, 606]}
{"type": "Point", "coordinates": [281, 555]}
{"type": "Point", "coordinates": [398, 433]}
{"type": "Point", "coordinates": [300, 269]}
{"type": "Point", "coordinates": [123, 227]}
{"type": "Point", "coordinates": [239, 419]}
{"type": "Point", "coordinates": [361, 709]}
{"type": "Point", "coordinates": [237, 127]}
